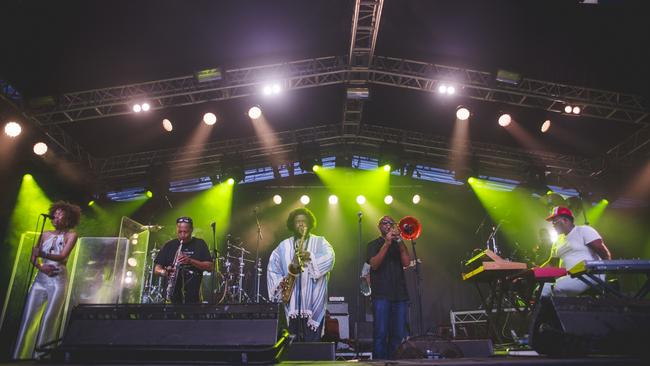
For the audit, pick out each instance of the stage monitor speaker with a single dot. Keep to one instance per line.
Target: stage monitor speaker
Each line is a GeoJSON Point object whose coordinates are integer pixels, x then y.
{"type": "Point", "coordinates": [310, 351]}
{"type": "Point", "coordinates": [152, 332]}
{"type": "Point", "coordinates": [431, 346]}
{"type": "Point", "coordinates": [573, 326]}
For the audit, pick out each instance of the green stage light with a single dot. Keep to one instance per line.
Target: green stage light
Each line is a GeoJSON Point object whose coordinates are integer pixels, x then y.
{"type": "Point", "coordinates": [388, 199]}
{"type": "Point", "coordinates": [416, 199]}
{"type": "Point", "coordinates": [277, 199]}
{"type": "Point", "coordinates": [230, 181]}
{"type": "Point", "coordinates": [91, 203]}
{"type": "Point", "coordinates": [387, 168]}
{"type": "Point", "coordinates": [149, 194]}
{"type": "Point", "coordinates": [315, 168]}
{"type": "Point", "coordinates": [28, 176]}
{"type": "Point", "coordinates": [605, 201]}
{"type": "Point", "coordinates": [333, 199]}
{"type": "Point", "coordinates": [471, 180]}
{"type": "Point", "coordinates": [361, 199]}
{"type": "Point", "coordinates": [304, 199]}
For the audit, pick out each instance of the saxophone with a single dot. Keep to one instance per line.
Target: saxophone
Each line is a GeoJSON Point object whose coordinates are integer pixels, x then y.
{"type": "Point", "coordinates": [171, 281]}
{"type": "Point", "coordinates": [289, 281]}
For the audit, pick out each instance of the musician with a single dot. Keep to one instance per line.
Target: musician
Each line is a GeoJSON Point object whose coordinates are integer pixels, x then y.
{"type": "Point", "coordinates": [308, 258]}
{"type": "Point", "coordinates": [575, 243]}
{"type": "Point", "coordinates": [388, 258]}
{"type": "Point", "coordinates": [49, 287]}
{"type": "Point", "coordinates": [193, 258]}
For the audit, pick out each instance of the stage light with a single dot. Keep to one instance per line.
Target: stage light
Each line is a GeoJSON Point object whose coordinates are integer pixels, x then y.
{"type": "Point", "coordinates": [442, 89]}
{"type": "Point", "coordinates": [137, 108]}
{"type": "Point", "coordinates": [134, 241]}
{"type": "Point", "coordinates": [145, 107]}
{"type": "Point", "coordinates": [276, 89]}
{"type": "Point", "coordinates": [451, 90]}
{"type": "Point", "coordinates": [471, 180]}
{"type": "Point", "coordinates": [333, 200]}
{"type": "Point", "coordinates": [209, 119]}
{"type": "Point", "coordinates": [304, 199]}
{"type": "Point", "coordinates": [91, 203]}
{"type": "Point", "coordinates": [40, 148]}
{"type": "Point", "coordinates": [567, 109]}
{"type": "Point", "coordinates": [254, 112]}
{"type": "Point", "coordinates": [28, 176]}
{"type": "Point", "coordinates": [576, 110]}
{"type": "Point", "coordinates": [416, 199]}
{"type": "Point", "coordinates": [128, 280]}
{"type": "Point", "coordinates": [505, 120]}
{"type": "Point", "coordinates": [546, 126]}
{"type": "Point", "coordinates": [135, 236]}
{"type": "Point", "coordinates": [13, 129]}
{"type": "Point", "coordinates": [132, 262]}
{"type": "Point", "coordinates": [462, 113]}
{"type": "Point", "coordinates": [361, 199]}
{"type": "Point", "coordinates": [277, 199]}
{"type": "Point", "coordinates": [446, 89]}
{"type": "Point", "coordinates": [387, 168]}
{"type": "Point", "coordinates": [315, 168]}
{"type": "Point", "coordinates": [167, 125]}
{"type": "Point", "coordinates": [149, 194]}
{"type": "Point", "coordinates": [388, 199]}
{"type": "Point", "coordinates": [230, 181]}
{"type": "Point", "coordinates": [272, 89]}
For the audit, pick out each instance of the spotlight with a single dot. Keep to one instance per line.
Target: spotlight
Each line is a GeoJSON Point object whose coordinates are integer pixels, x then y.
{"type": "Point", "coordinates": [333, 200]}
{"type": "Point", "coordinates": [137, 108]}
{"type": "Point", "coordinates": [209, 119]}
{"type": "Point", "coordinates": [505, 120]}
{"type": "Point", "coordinates": [267, 90]}
{"type": "Point", "coordinates": [567, 109]}
{"type": "Point", "coordinates": [40, 148]}
{"type": "Point", "coordinates": [230, 181]}
{"type": "Point", "coordinates": [576, 110]}
{"type": "Point", "coordinates": [272, 89]}
{"type": "Point", "coordinates": [462, 113]}
{"type": "Point", "coordinates": [304, 199]}
{"type": "Point", "coordinates": [276, 89]}
{"type": "Point", "coordinates": [416, 199]}
{"type": "Point", "coordinates": [167, 125]}
{"type": "Point", "coordinates": [546, 126]}
{"type": "Point", "coordinates": [134, 241]}
{"type": "Point", "coordinates": [387, 168]}
{"type": "Point", "coordinates": [277, 199]}
{"type": "Point", "coordinates": [149, 194]}
{"type": "Point", "coordinates": [471, 180]}
{"type": "Point", "coordinates": [145, 107]}
{"type": "Point", "coordinates": [132, 262]}
{"type": "Point", "coordinates": [451, 90]}
{"type": "Point", "coordinates": [128, 280]}
{"type": "Point", "coordinates": [91, 203]}
{"type": "Point", "coordinates": [315, 168]}
{"type": "Point", "coordinates": [12, 129]}
{"type": "Point", "coordinates": [388, 199]}
{"type": "Point", "coordinates": [254, 112]}
{"type": "Point", "coordinates": [446, 89]}
{"type": "Point", "coordinates": [442, 89]}
{"type": "Point", "coordinates": [361, 199]}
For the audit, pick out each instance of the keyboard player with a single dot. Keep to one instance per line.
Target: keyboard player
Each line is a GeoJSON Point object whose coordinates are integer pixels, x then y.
{"type": "Point", "coordinates": [575, 243]}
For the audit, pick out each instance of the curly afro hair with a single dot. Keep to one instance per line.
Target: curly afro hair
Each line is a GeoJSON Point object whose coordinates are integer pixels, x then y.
{"type": "Point", "coordinates": [72, 213]}
{"type": "Point", "coordinates": [311, 219]}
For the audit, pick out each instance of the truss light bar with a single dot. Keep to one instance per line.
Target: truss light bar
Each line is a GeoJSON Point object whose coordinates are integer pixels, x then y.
{"type": "Point", "coordinates": [208, 75]}
{"type": "Point", "coordinates": [362, 93]}
{"type": "Point", "coordinates": [508, 77]}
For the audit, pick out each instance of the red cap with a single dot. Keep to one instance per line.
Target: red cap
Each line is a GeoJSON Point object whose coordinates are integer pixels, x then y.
{"type": "Point", "coordinates": [559, 211]}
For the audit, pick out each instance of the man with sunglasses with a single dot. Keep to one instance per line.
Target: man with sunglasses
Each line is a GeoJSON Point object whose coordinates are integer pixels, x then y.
{"type": "Point", "coordinates": [193, 258]}
{"type": "Point", "coordinates": [575, 243]}
{"type": "Point", "coordinates": [388, 256]}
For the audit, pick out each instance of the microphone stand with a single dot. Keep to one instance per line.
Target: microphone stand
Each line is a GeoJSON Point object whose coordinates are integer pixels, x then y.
{"type": "Point", "coordinates": [358, 300]}
{"type": "Point", "coordinates": [258, 266]}
{"type": "Point", "coordinates": [215, 258]}
{"type": "Point", "coordinates": [418, 286]}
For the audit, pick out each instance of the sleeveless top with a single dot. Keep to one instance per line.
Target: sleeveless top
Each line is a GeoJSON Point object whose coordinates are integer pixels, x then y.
{"type": "Point", "coordinates": [53, 245]}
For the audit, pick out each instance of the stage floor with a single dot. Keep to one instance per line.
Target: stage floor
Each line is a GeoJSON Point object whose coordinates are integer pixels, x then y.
{"type": "Point", "coordinates": [486, 361]}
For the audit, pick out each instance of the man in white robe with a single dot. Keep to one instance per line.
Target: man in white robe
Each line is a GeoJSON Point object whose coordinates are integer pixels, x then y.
{"type": "Point", "coordinates": [309, 259]}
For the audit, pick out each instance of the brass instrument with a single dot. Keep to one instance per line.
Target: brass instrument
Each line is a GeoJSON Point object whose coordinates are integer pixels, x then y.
{"type": "Point", "coordinates": [289, 281]}
{"type": "Point", "coordinates": [171, 281]}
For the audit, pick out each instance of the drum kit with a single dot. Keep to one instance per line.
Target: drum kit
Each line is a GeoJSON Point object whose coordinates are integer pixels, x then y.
{"type": "Point", "coordinates": [229, 285]}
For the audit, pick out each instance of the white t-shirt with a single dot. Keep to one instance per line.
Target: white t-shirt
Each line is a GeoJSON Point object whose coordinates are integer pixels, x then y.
{"type": "Point", "coordinates": [572, 248]}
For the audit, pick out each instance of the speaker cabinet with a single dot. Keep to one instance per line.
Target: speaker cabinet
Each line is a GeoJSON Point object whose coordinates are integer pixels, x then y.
{"type": "Point", "coordinates": [151, 332]}
{"type": "Point", "coordinates": [573, 326]}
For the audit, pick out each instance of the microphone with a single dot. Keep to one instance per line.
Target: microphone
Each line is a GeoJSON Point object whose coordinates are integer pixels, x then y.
{"type": "Point", "coordinates": [213, 225]}
{"type": "Point", "coordinates": [360, 214]}
{"type": "Point", "coordinates": [46, 215]}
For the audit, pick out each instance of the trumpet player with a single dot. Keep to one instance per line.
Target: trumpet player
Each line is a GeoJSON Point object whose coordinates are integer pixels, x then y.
{"type": "Point", "coordinates": [298, 273]}
{"type": "Point", "coordinates": [388, 256]}
{"type": "Point", "coordinates": [185, 257]}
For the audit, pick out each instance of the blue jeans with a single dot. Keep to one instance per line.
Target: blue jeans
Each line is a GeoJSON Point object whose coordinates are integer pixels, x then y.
{"type": "Point", "coordinates": [389, 328]}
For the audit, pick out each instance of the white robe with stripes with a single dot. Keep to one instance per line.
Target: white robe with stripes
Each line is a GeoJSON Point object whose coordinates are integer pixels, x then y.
{"type": "Point", "coordinates": [314, 278]}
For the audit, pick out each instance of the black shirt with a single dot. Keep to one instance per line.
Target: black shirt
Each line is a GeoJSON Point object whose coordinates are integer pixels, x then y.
{"type": "Point", "coordinates": [388, 281]}
{"type": "Point", "coordinates": [188, 282]}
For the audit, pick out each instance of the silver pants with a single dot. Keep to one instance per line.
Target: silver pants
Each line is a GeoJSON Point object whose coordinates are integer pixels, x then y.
{"type": "Point", "coordinates": [48, 293]}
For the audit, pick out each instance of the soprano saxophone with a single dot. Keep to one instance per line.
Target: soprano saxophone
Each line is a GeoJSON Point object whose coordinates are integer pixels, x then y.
{"type": "Point", "coordinates": [171, 281]}
{"type": "Point", "coordinates": [289, 281]}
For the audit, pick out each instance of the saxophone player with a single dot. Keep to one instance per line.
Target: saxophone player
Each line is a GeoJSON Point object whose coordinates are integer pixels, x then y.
{"type": "Point", "coordinates": [298, 273]}
{"type": "Point", "coordinates": [184, 259]}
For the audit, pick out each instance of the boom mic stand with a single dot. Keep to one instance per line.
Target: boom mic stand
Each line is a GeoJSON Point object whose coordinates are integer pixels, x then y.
{"type": "Point", "coordinates": [258, 267]}
{"type": "Point", "coordinates": [418, 286]}
{"type": "Point", "coordinates": [215, 258]}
